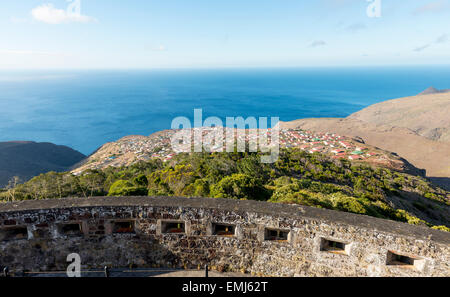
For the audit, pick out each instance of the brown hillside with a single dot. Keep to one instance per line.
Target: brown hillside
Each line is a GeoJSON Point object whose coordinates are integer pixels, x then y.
{"type": "Point", "coordinates": [416, 128]}
{"type": "Point", "coordinates": [427, 115]}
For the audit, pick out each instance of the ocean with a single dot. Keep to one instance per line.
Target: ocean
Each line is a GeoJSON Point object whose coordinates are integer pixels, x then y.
{"type": "Point", "coordinates": [85, 109]}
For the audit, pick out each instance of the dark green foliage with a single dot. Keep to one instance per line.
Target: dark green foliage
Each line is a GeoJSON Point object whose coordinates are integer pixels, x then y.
{"type": "Point", "coordinates": [297, 177]}
{"type": "Point", "coordinates": [141, 180]}
{"type": "Point", "coordinates": [240, 186]}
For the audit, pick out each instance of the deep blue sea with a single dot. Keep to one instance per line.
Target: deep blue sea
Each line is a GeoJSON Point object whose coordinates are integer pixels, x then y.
{"type": "Point", "coordinates": [85, 109]}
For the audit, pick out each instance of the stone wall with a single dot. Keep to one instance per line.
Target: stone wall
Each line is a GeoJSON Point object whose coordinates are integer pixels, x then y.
{"type": "Point", "coordinates": [244, 236]}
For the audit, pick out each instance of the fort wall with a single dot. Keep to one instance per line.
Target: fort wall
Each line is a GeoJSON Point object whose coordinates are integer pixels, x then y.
{"type": "Point", "coordinates": [260, 238]}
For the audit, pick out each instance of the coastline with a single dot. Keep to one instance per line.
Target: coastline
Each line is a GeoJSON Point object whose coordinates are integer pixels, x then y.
{"type": "Point", "coordinates": [420, 148]}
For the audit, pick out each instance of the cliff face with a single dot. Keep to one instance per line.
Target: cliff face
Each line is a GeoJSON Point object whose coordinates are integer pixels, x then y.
{"type": "Point", "coordinates": [27, 159]}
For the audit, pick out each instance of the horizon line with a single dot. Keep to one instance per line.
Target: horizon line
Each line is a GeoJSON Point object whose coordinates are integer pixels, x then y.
{"type": "Point", "coordinates": [225, 67]}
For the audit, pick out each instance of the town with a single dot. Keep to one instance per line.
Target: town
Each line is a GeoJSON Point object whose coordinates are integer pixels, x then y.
{"type": "Point", "coordinates": [131, 149]}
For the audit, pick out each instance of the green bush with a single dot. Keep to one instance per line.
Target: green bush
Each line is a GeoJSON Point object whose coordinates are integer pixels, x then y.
{"type": "Point", "coordinates": [126, 188]}
{"type": "Point", "coordinates": [239, 186]}
{"type": "Point", "coordinates": [442, 228]}
{"type": "Point", "coordinates": [348, 204]}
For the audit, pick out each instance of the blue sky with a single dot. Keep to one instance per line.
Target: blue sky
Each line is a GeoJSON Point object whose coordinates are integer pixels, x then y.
{"type": "Point", "coordinates": [44, 34]}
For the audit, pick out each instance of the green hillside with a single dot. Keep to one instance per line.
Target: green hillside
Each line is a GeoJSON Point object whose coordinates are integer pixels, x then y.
{"type": "Point", "coordinates": [297, 177]}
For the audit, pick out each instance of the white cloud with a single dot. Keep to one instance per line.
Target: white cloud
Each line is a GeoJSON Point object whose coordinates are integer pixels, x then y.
{"type": "Point", "coordinates": [421, 48]}
{"type": "Point", "coordinates": [442, 39]}
{"type": "Point", "coordinates": [46, 13]}
{"type": "Point", "coordinates": [356, 27]}
{"type": "Point", "coordinates": [160, 48]}
{"type": "Point", "coordinates": [432, 7]}
{"type": "Point", "coordinates": [317, 43]}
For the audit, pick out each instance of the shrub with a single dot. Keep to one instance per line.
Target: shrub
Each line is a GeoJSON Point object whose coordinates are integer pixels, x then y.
{"type": "Point", "coordinates": [126, 188]}
{"type": "Point", "coordinates": [348, 204]}
{"type": "Point", "coordinates": [201, 188]}
{"type": "Point", "coordinates": [239, 186]}
{"type": "Point", "coordinates": [442, 228]}
{"type": "Point", "coordinates": [141, 180]}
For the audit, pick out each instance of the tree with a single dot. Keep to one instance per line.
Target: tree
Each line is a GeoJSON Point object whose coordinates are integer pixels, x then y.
{"type": "Point", "coordinates": [239, 186]}
{"type": "Point", "coordinates": [141, 180]}
{"type": "Point", "coordinates": [12, 188]}
{"type": "Point", "coordinates": [92, 182]}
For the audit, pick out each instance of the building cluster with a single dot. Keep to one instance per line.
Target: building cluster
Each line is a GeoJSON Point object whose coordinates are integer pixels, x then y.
{"type": "Point", "coordinates": [165, 145]}
{"type": "Point", "coordinates": [339, 147]}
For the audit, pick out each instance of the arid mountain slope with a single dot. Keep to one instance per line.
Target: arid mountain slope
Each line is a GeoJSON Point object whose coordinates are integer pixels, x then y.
{"type": "Point", "coordinates": [427, 115]}
{"type": "Point", "coordinates": [433, 90]}
{"type": "Point", "coordinates": [416, 128]}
